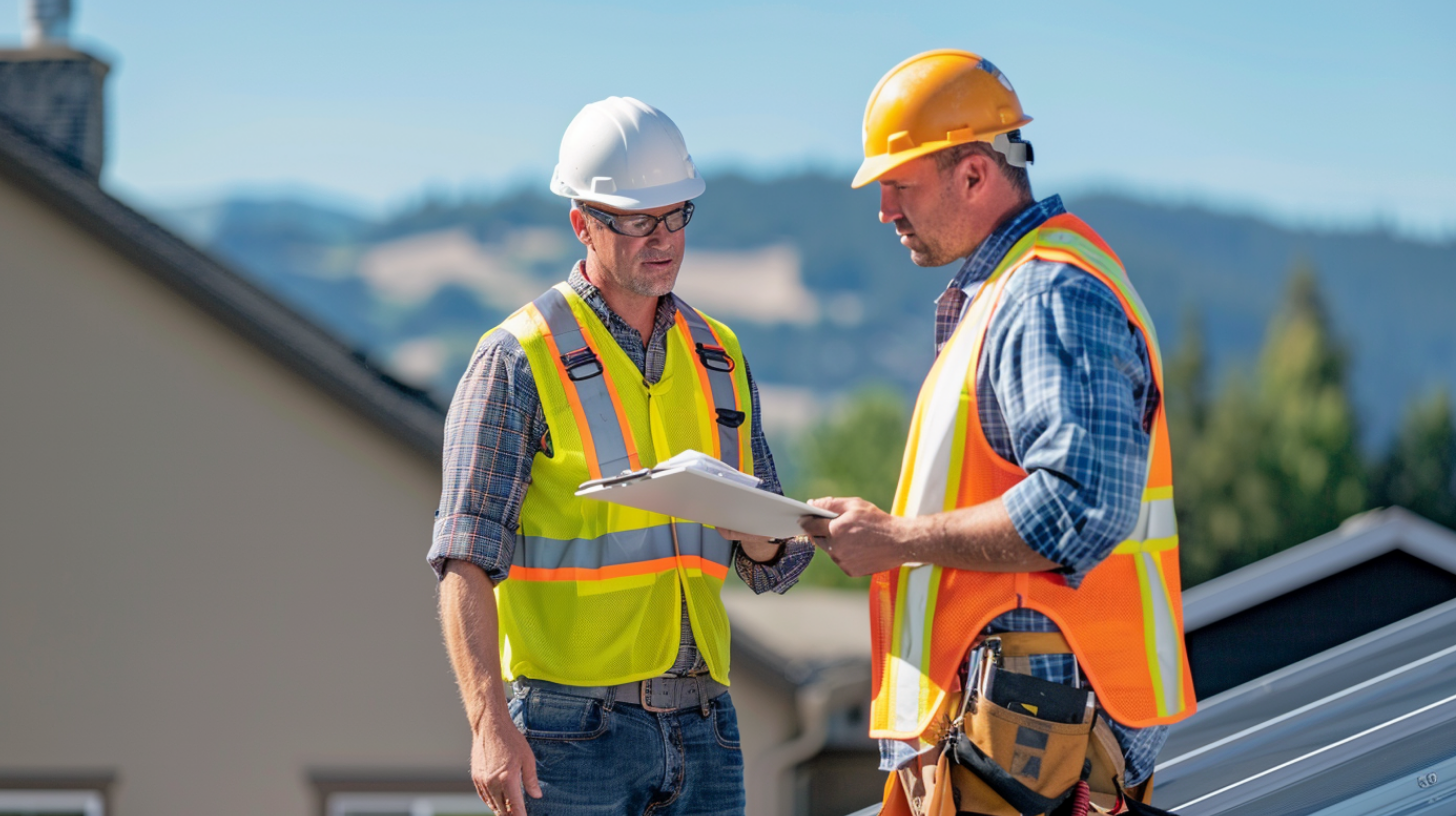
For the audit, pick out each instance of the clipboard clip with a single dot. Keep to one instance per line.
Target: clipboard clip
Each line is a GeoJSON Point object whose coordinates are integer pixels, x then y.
{"type": "Point", "coordinates": [619, 479]}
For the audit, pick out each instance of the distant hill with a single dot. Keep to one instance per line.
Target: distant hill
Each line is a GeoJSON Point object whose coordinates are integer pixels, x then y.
{"type": "Point", "coordinates": [415, 291]}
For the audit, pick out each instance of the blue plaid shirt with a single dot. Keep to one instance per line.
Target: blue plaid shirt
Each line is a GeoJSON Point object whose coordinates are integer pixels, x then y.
{"type": "Point", "coordinates": [1064, 388]}
{"type": "Point", "coordinates": [496, 427]}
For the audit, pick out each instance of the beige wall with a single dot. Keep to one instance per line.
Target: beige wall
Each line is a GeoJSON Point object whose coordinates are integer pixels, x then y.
{"type": "Point", "coordinates": [212, 575]}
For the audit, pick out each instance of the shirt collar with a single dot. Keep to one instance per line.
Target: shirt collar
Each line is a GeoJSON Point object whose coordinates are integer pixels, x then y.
{"type": "Point", "coordinates": [984, 259]}
{"type": "Point", "coordinates": [666, 307]}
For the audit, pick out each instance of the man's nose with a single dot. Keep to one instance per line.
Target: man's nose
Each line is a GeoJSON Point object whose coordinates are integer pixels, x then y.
{"type": "Point", "coordinates": [889, 207]}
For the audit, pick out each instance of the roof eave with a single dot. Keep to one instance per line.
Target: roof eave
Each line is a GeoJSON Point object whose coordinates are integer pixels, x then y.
{"type": "Point", "coordinates": [279, 331]}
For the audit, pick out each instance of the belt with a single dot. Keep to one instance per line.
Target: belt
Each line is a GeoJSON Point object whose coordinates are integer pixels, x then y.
{"type": "Point", "coordinates": [658, 694]}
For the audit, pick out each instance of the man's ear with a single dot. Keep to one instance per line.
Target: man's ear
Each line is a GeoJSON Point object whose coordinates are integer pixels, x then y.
{"type": "Point", "coordinates": [972, 174]}
{"type": "Point", "coordinates": [578, 225]}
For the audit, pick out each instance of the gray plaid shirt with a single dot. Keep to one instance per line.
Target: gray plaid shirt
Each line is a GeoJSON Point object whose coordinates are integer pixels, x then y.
{"type": "Point", "coordinates": [496, 427]}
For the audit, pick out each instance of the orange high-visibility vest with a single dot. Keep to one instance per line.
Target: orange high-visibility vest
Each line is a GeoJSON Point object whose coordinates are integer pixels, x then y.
{"type": "Point", "coordinates": [1125, 622]}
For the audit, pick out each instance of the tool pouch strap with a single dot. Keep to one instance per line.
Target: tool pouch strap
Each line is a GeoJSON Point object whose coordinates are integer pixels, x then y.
{"type": "Point", "coordinates": [1017, 795]}
{"type": "Point", "coordinates": [1137, 808]}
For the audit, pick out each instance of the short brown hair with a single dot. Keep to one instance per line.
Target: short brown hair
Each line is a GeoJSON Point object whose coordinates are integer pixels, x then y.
{"type": "Point", "coordinates": [952, 156]}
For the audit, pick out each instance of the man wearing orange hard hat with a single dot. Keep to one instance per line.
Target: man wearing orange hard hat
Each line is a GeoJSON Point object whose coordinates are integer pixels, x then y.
{"type": "Point", "coordinates": [1026, 612]}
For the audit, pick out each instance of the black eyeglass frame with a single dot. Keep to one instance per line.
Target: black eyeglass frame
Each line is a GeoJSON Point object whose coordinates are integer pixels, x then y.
{"type": "Point", "coordinates": [610, 219]}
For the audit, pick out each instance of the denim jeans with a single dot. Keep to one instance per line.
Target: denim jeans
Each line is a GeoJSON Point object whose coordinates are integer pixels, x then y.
{"type": "Point", "coordinates": [612, 758]}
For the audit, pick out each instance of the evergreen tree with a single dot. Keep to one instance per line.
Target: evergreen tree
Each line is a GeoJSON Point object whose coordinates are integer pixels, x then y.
{"type": "Point", "coordinates": [1419, 473]}
{"type": "Point", "coordinates": [1225, 497]}
{"type": "Point", "coordinates": [1271, 461]}
{"type": "Point", "coordinates": [1312, 452]}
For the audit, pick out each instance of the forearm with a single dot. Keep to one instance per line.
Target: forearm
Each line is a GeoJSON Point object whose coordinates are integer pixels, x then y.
{"type": "Point", "coordinates": [980, 538]}
{"type": "Point", "coordinates": [471, 628]}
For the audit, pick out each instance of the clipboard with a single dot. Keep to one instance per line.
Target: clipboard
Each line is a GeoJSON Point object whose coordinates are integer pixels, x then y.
{"type": "Point", "coordinates": [696, 494]}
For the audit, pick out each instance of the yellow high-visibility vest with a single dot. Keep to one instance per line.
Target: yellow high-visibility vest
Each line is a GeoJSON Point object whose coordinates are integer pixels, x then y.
{"type": "Point", "coordinates": [595, 591]}
{"type": "Point", "coordinates": [1125, 621]}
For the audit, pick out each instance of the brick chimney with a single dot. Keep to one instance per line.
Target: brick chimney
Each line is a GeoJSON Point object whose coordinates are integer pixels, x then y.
{"type": "Point", "coordinates": [53, 93]}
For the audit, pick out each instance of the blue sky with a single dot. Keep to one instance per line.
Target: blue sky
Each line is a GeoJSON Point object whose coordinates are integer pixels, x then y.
{"type": "Point", "coordinates": [1326, 113]}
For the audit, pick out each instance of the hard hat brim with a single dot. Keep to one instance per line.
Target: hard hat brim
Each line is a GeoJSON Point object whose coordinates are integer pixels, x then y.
{"type": "Point", "coordinates": [875, 166]}
{"type": "Point", "coordinates": [644, 199]}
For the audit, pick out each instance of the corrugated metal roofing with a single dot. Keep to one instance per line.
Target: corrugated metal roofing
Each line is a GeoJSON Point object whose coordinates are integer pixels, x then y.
{"type": "Point", "coordinates": [1365, 728]}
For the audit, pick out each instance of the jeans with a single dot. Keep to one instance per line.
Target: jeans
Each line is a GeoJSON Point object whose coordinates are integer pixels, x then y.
{"type": "Point", "coordinates": [611, 758]}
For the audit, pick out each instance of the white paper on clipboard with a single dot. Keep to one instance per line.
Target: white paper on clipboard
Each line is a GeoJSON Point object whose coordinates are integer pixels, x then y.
{"type": "Point", "coordinates": [696, 487]}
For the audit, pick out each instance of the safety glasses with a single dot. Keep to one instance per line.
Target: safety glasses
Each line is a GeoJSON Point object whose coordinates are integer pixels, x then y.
{"type": "Point", "coordinates": [637, 225]}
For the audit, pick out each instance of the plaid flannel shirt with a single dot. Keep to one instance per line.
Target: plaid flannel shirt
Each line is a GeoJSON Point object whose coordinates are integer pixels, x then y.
{"type": "Point", "coordinates": [496, 426]}
{"type": "Point", "coordinates": [1064, 388]}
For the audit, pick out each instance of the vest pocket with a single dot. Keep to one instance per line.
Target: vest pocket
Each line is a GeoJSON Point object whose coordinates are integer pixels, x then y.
{"type": "Point", "coordinates": [552, 716]}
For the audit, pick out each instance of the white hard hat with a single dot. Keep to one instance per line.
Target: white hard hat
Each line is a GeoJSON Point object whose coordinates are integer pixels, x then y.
{"type": "Point", "coordinates": [625, 154]}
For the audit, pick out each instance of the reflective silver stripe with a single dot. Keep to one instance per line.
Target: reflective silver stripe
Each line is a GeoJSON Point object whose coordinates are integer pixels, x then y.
{"type": "Point", "coordinates": [623, 547]}
{"type": "Point", "coordinates": [1156, 519]}
{"type": "Point", "coordinates": [725, 395]}
{"type": "Point", "coordinates": [1165, 636]}
{"type": "Point", "coordinates": [596, 401]}
{"type": "Point", "coordinates": [913, 605]}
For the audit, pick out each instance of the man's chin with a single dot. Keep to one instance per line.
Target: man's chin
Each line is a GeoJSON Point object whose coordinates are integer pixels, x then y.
{"type": "Point", "coordinates": [653, 283]}
{"type": "Point", "coordinates": [922, 257]}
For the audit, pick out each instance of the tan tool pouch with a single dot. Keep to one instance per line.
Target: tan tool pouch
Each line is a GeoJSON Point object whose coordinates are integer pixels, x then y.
{"type": "Point", "coordinates": [1001, 762]}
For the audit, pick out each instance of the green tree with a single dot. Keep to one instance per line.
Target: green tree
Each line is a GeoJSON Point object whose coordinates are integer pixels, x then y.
{"type": "Point", "coordinates": [854, 452]}
{"type": "Point", "coordinates": [1271, 460]}
{"type": "Point", "coordinates": [1313, 454]}
{"type": "Point", "coordinates": [1215, 443]}
{"type": "Point", "coordinates": [1419, 473]}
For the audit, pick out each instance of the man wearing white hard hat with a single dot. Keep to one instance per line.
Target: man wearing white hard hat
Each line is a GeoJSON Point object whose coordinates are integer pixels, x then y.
{"type": "Point", "coordinates": [606, 619]}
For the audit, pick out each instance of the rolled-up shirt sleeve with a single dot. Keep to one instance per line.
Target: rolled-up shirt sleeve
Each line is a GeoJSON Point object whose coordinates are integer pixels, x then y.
{"type": "Point", "coordinates": [784, 571]}
{"type": "Point", "coordinates": [492, 432]}
{"type": "Point", "coordinates": [1072, 379]}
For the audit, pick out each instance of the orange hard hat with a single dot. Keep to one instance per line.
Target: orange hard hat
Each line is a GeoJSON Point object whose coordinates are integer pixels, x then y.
{"type": "Point", "coordinates": [933, 101]}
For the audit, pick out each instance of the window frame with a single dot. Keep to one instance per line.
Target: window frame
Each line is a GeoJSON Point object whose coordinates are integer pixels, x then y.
{"type": "Point", "coordinates": [87, 792]}
{"type": "Point", "coordinates": [418, 793]}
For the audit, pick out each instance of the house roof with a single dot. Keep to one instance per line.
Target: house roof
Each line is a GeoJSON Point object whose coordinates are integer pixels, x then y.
{"type": "Point", "coordinates": [1360, 729]}
{"type": "Point", "coordinates": [1358, 540]}
{"type": "Point", "coordinates": [800, 633]}
{"type": "Point", "coordinates": [1356, 716]}
{"type": "Point", "coordinates": [406, 413]}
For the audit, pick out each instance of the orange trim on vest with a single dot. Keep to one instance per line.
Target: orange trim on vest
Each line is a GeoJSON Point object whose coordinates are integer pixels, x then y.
{"type": "Point", "coordinates": [705, 386]}
{"type": "Point", "coordinates": [588, 447]}
{"type": "Point", "coordinates": [652, 567]}
{"type": "Point", "coordinates": [583, 426]}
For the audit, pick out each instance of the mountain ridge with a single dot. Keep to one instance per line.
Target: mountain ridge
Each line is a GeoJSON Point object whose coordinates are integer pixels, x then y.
{"type": "Point", "coordinates": [1388, 295]}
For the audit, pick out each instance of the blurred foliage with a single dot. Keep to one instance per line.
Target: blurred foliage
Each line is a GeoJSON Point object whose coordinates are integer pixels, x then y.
{"type": "Point", "coordinates": [1268, 460]}
{"type": "Point", "coordinates": [1271, 460]}
{"type": "Point", "coordinates": [1419, 472]}
{"type": "Point", "coordinates": [854, 452]}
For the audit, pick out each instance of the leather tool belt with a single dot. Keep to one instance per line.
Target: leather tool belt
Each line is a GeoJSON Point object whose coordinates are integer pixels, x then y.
{"type": "Point", "coordinates": [658, 694]}
{"type": "Point", "coordinates": [1015, 745]}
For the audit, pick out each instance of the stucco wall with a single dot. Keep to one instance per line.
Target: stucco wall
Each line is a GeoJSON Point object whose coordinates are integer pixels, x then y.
{"type": "Point", "coordinates": [211, 574]}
